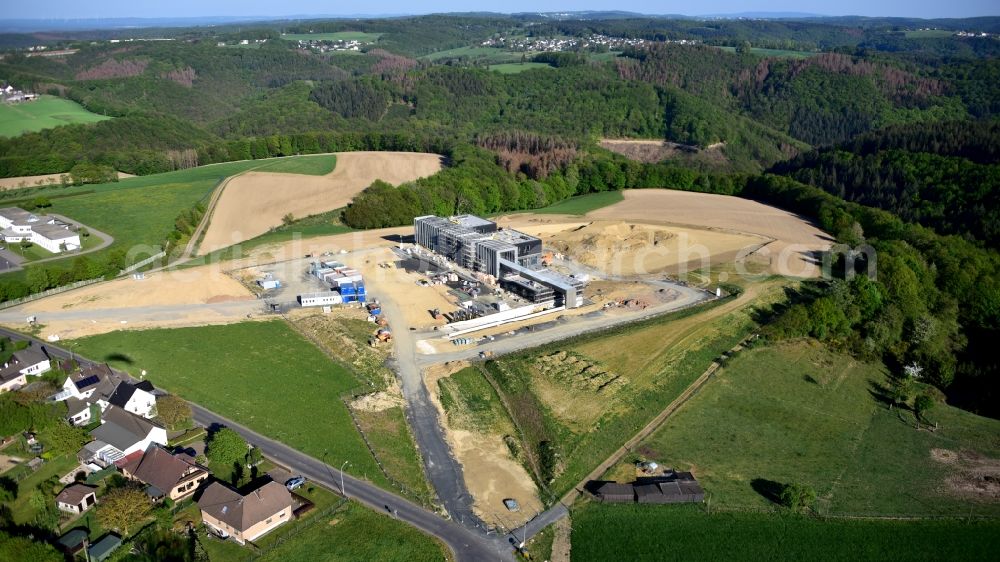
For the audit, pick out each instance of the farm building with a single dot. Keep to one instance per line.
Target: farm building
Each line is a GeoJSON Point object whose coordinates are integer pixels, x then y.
{"type": "Point", "coordinates": [17, 225]}
{"type": "Point", "coordinates": [671, 487]}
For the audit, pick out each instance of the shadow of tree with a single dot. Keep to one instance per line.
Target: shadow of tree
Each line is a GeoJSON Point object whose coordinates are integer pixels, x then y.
{"type": "Point", "coordinates": [770, 489]}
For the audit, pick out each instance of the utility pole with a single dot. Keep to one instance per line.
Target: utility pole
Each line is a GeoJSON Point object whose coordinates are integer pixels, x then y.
{"type": "Point", "coordinates": [342, 489]}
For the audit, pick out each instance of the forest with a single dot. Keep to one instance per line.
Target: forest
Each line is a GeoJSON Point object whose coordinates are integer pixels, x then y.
{"type": "Point", "coordinates": [881, 137]}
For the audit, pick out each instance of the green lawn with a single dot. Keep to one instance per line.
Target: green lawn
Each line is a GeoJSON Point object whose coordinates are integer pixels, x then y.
{"type": "Point", "coordinates": [389, 435]}
{"type": "Point", "coordinates": [515, 67]}
{"type": "Point", "coordinates": [357, 534]}
{"type": "Point", "coordinates": [640, 533]}
{"type": "Point", "coordinates": [472, 404]}
{"type": "Point", "coordinates": [313, 165]}
{"type": "Point", "coordinates": [583, 204]}
{"type": "Point", "coordinates": [797, 412]}
{"type": "Point", "coordinates": [43, 113]}
{"type": "Point", "coordinates": [21, 509]}
{"type": "Point", "coordinates": [261, 374]}
{"type": "Point", "coordinates": [335, 36]}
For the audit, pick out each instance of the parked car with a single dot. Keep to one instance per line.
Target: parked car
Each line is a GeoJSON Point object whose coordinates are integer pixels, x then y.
{"type": "Point", "coordinates": [295, 483]}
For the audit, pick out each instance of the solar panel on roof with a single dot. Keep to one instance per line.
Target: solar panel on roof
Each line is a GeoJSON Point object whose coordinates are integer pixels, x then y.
{"type": "Point", "coordinates": [89, 381]}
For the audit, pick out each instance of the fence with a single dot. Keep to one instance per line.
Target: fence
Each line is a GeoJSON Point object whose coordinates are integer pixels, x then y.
{"type": "Point", "coordinates": [259, 551]}
{"type": "Point", "coordinates": [49, 292]}
{"type": "Point", "coordinates": [142, 263]}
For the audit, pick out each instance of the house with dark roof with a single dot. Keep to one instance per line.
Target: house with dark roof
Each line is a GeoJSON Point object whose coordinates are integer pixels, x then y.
{"type": "Point", "coordinates": [95, 385]}
{"type": "Point", "coordinates": [229, 514]}
{"type": "Point", "coordinates": [670, 487]}
{"type": "Point", "coordinates": [137, 398]}
{"type": "Point", "coordinates": [76, 498]}
{"type": "Point", "coordinates": [121, 434]}
{"type": "Point", "coordinates": [165, 474]}
{"type": "Point", "coordinates": [32, 360]}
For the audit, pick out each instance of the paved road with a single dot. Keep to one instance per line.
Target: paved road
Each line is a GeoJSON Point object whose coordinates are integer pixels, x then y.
{"type": "Point", "coordinates": [466, 544]}
{"type": "Point", "coordinates": [568, 327]}
{"type": "Point", "coordinates": [443, 470]}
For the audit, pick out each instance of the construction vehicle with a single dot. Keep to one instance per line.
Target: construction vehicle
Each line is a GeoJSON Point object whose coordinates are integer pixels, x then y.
{"type": "Point", "coordinates": [436, 313]}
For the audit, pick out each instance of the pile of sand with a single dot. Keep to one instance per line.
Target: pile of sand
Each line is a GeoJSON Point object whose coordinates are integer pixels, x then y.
{"type": "Point", "coordinates": [377, 402]}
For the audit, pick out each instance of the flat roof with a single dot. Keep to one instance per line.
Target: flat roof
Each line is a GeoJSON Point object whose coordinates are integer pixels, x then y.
{"type": "Point", "coordinates": [512, 236]}
{"type": "Point", "coordinates": [471, 221]}
{"type": "Point", "coordinates": [54, 231]}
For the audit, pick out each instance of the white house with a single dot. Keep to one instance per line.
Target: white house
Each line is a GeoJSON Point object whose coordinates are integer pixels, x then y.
{"type": "Point", "coordinates": [137, 398]}
{"type": "Point", "coordinates": [121, 434]}
{"type": "Point", "coordinates": [96, 385]}
{"type": "Point", "coordinates": [29, 361]}
{"type": "Point", "coordinates": [54, 235]}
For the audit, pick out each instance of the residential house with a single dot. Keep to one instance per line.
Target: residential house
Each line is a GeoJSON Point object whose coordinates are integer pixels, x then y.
{"type": "Point", "coordinates": [29, 361]}
{"type": "Point", "coordinates": [121, 434]}
{"type": "Point", "coordinates": [76, 498]}
{"type": "Point", "coordinates": [165, 474]}
{"type": "Point", "coordinates": [244, 518]}
{"type": "Point", "coordinates": [92, 384]}
{"type": "Point", "coordinates": [137, 398]}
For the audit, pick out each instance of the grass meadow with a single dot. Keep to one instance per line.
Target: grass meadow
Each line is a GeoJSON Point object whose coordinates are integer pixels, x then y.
{"type": "Point", "coordinates": [44, 113]}
{"type": "Point", "coordinates": [261, 374]}
{"type": "Point", "coordinates": [313, 165]}
{"type": "Point", "coordinates": [655, 361]}
{"type": "Point", "coordinates": [641, 533]}
{"type": "Point", "coordinates": [798, 412]}
{"type": "Point", "coordinates": [516, 67]}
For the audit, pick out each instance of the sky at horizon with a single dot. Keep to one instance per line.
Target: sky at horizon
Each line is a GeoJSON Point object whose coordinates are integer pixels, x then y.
{"type": "Point", "coordinates": [74, 9]}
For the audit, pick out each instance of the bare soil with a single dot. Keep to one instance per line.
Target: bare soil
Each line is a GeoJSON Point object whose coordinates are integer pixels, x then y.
{"type": "Point", "coordinates": [491, 473]}
{"type": "Point", "coordinates": [971, 474]}
{"type": "Point", "coordinates": [255, 202]}
{"type": "Point", "coordinates": [628, 248]}
{"type": "Point", "coordinates": [795, 239]}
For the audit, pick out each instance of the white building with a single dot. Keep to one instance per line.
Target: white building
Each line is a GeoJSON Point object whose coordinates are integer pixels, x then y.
{"type": "Point", "coordinates": [121, 434]}
{"type": "Point", "coordinates": [52, 234]}
{"type": "Point", "coordinates": [136, 398]}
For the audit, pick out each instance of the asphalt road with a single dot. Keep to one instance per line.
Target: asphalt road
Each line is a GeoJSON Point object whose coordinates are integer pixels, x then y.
{"type": "Point", "coordinates": [465, 544]}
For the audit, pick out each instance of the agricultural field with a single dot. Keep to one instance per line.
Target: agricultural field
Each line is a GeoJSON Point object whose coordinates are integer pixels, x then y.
{"type": "Point", "coordinates": [44, 113]}
{"type": "Point", "coordinates": [515, 67]}
{"type": "Point", "coordinates": [311, 165]}
{"type": "Point", "coordinates": [782, 413]}
{"type": "Point", "coordinates": [794, 239]}
{"type": "Point", "coordinates": [582, 204]}
{"type": "Point", "coordinates": [643, 533]}
{"type": "Point", "coordinates": [576, 402]}
{"type": "Point", "coordinates": [253, 203]}
{"type": "Point", "coordinates": [335, 36]}
{"type": "Point", "coordinates": [260, 374]}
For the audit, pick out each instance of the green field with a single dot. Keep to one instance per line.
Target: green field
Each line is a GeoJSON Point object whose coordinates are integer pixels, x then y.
{"type": "Point", "coordinates": [582, 204]}
{"type": "Point", "coordinates": [585, 402]}
{"type": "Point", "coordinates": [780, 53]}
{"type": "Point", "coordinates": [44, 113]}
{"type": "Point", "coordinates": [358, 534]}
{"type": "Point", "coordinates": [336, 36]}
{"type": "Point", "coordinates": [515, 67]}
{"type": "Point", "coordinates": [312, 165]}
{"type": "Point", "coordinates": [797, 412]}
{"type": "Point", "coordinates": [260, 374]}
{"type": "Point", "coordinates": [641, 533]}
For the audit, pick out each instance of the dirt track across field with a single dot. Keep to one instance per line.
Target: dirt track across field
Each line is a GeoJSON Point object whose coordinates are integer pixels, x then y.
{"type": "Point", "coordinates": [255, 202]}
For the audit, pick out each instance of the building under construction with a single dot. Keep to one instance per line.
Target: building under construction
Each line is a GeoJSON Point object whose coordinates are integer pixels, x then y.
{"type": "Point", "coordinates": [512, 257]}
